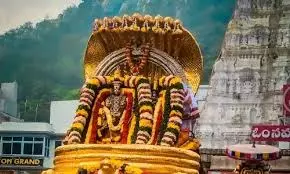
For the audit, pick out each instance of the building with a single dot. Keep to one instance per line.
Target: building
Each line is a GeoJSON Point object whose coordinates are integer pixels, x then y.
{"type": "Point", "coordinates": [28, 147]}
{"type": "Point", "coordinates": [8, 102]}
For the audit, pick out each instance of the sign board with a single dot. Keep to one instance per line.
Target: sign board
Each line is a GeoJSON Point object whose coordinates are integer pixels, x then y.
{"type": "Point", "coordinates": [286, 100]}
{"type": "Point", "coordinates": [20, 161]}
{"type": "Point", "coordinates": [271, 133]}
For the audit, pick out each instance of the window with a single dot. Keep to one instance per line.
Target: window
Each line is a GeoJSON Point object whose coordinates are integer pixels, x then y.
{"type": "Point", "coordinates": [15, 145]}
{"type": "Point", "coordinates": [16, 148]}
{"type": "Point", "coordinates": [11, 145]}
{"type": "Point", "coordinates": [27, 150]}
{"type": "Point", "coordinates": [37, 150]}
{"type": "Point", "coordinates": [6, 148]}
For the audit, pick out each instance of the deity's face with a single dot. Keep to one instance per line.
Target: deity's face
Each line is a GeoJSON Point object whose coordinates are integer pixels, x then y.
{"type": "Point", "coordinates": [117, 88]}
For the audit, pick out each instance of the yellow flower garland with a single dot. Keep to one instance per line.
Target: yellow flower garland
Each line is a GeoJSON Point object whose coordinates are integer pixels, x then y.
{"type": "Point", "coordinates": [83, 113]}
{"type": "Point", "coordinates": [173, 125]}
{"type": "Point", "coordinates": [176, 113]}
{"type": "Point", "coordinates": [78, 126]}
{"type": "Point", "coordinates": [158, 106]}
{"type": "Point", "coordinates": [144, 107]}
{"type": "Point", "coordinates": [146, 123]}
{"type": "Point", "coordinates": [93, 81]}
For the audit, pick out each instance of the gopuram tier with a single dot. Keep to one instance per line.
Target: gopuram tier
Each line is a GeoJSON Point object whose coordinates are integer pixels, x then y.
{"type": "Point", "coordinates": [137, 108]}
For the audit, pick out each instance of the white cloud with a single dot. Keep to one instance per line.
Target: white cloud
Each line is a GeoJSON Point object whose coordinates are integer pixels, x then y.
{"type": "Point", "coordinates": [14, 13]}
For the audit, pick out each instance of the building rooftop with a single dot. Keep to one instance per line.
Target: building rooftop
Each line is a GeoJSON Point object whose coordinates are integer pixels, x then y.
{"type": "Point", "coordinates": [26, 127]}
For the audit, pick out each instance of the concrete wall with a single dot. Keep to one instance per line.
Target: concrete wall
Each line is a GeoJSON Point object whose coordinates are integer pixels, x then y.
{"type": "Point", "coordinates": [8, 98]}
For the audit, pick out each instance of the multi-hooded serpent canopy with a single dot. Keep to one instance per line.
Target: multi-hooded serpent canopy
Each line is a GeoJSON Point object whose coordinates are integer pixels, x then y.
{"type": "Point", "coordinates": [172, 44]}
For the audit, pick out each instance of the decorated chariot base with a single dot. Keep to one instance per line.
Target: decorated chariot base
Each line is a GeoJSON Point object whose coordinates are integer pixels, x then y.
{"type": "Point", "coordinates": [137, 108]}
{"type": "Point", "coordinates": [125, 158]}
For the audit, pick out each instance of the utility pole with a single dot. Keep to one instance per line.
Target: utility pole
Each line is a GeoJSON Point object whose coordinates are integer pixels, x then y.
{"type": "Point", "coordinates": [36, 111]}
{"type": "Point", "coordinates": [25, 105]}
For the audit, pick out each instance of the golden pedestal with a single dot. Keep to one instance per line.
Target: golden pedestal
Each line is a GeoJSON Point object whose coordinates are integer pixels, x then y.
{"type": "Point", "coordinates": [146, 158]}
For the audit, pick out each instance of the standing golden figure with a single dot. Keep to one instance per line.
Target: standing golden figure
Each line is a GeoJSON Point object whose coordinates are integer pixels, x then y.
{"type": "Point", "coordinates": [113, 113]}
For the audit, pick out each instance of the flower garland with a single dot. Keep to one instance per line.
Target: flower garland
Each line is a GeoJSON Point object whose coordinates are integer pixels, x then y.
{"type": "Point", "coordinates": [157, 117]}
{"type": "Point", "coordinates": [145, 54]}
{"type": "Point", "coordinates": [88, 93]}
{"type": "Point", "coordinates": [145, 110]}
{"type": "Point", "coordinates": [176, 100]}
{"type": "Point", "coordinates": [166, 112]}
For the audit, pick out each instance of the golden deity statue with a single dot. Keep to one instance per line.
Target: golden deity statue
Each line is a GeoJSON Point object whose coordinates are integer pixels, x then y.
{"type": "Point", "coordinates": [137, 107]}
{"type": "Point", "coordinates": [112, 113]}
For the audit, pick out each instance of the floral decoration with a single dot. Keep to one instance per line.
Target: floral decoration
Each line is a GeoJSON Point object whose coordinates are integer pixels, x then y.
{"type": "Point", "coordinates": [145, 108]}
{"type": "Point", "coordinates": [136, 68]}
{"type": "Point", "coordinates": [88, 93]}
{"type": "Point", "coordinates": [173, 111]}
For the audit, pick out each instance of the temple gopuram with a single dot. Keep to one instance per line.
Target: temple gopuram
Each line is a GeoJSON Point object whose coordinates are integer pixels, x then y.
{"type": "Point", "coordinates": [137, 110]}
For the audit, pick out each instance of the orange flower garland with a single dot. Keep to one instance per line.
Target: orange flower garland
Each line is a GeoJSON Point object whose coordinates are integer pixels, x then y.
{"type": "Point", "coordinates": [133, 67]}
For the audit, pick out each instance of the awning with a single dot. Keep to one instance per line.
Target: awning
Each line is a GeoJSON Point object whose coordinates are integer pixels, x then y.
{"type": "Point", "coordinates": [224, 163]}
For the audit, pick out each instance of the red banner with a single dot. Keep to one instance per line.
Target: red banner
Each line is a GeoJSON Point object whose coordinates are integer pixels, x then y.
{"type": "Point", "coordinates": [271, 133]}
{"type": "Point", "coordinates": [286, 100]}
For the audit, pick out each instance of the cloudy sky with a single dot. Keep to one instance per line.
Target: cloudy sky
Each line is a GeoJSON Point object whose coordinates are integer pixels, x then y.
{"type": "Point", "coordinates": [14, 13]}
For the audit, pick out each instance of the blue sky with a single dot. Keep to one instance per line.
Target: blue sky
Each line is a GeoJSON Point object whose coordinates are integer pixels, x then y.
{"type": "Point", "coordinates": [14, 13]}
